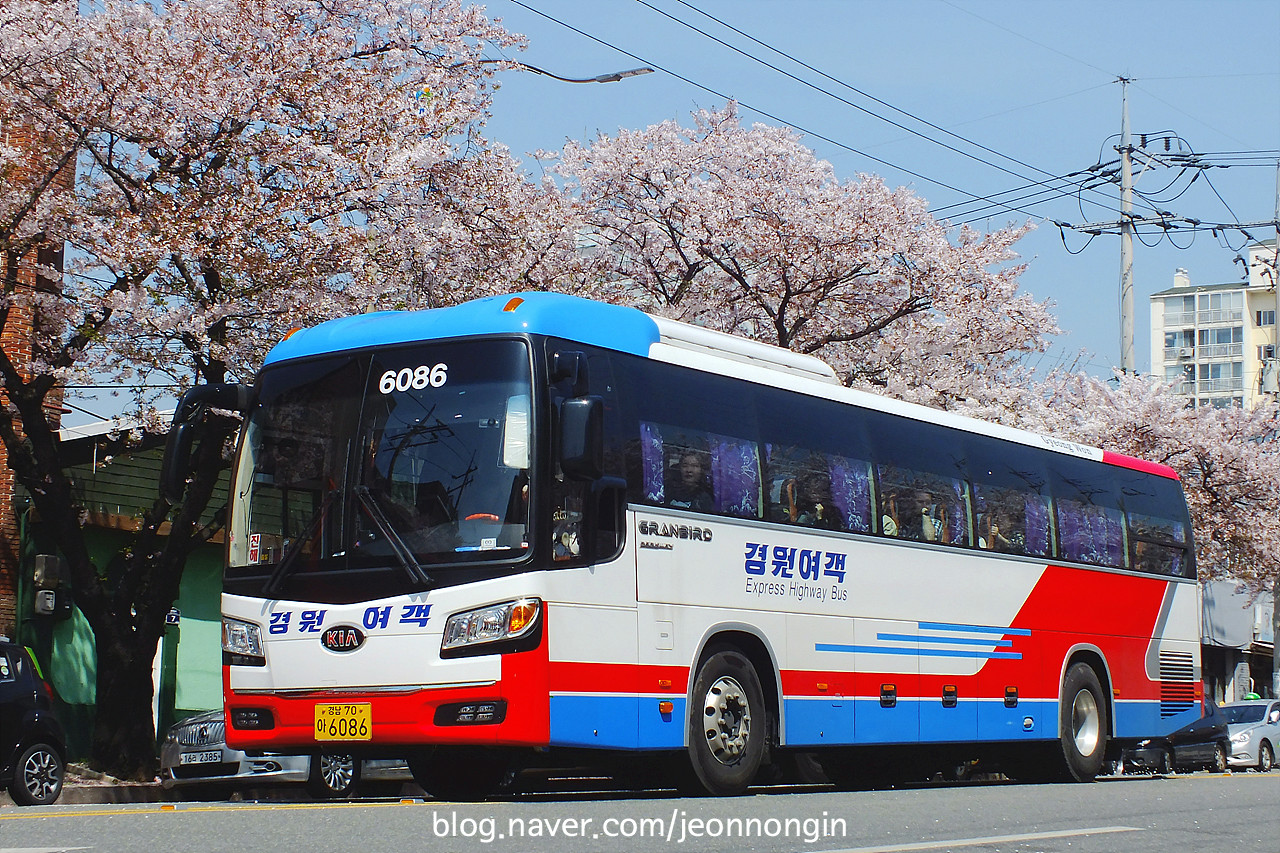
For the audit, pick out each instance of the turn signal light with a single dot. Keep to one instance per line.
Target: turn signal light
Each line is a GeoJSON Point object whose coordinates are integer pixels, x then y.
{"type": "Point", "coordinates": [523, 614]}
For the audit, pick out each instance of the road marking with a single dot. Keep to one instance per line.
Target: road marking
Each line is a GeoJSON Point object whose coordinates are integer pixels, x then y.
{"type": "Point", "coordinates": [990, 839]}
{"type": "Point", "coordinates": [124, 810]}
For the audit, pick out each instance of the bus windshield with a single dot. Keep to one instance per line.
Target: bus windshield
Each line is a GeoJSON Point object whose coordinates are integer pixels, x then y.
{"type": "Point", "coordinates": [373, 472]}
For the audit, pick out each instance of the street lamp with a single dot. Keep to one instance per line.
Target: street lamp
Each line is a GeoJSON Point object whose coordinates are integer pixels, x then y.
{"type": "Point", "coordinates": [601, 78]}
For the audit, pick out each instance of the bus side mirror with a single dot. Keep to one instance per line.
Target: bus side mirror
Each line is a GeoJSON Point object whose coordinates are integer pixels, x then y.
{"type": "Point", "coordinates": [582, 438]}
{"type": "Point", "coordinates": [192, 407]}
{"type": "Point", "coordinates": [177, 458]}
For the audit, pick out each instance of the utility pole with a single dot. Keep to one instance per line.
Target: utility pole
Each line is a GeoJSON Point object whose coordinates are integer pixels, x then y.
{"type": "Point", "coordinates": [1126, 233]}
{"type": "Point", "coordinates": [1271, 370]}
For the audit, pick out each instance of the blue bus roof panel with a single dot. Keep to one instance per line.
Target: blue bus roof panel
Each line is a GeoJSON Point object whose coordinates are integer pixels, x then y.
{"type": "Point", "coordinates": [608, 326]}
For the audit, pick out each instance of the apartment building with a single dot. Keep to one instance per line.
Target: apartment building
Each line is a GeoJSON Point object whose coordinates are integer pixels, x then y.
{"type": "Point", "coordinates": [1217, 342]}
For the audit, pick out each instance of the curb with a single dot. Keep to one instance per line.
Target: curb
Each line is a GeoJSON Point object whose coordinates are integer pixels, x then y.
{"type": "Point", "coordinates": [83, 786]}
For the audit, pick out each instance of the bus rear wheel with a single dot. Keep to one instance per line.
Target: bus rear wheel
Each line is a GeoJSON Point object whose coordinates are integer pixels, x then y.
{"type": "Point", "coordinates": [728, 724]}
{"type": "Point", "coordinates": [1083, 729]}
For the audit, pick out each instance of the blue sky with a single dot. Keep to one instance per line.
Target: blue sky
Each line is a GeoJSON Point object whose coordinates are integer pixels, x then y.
{"type": "Point", "coordinates": [1033, 82]}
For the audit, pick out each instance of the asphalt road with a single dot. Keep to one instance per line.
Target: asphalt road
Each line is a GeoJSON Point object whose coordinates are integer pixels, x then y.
{"type": "Point", "coordinates": [1214, 813]}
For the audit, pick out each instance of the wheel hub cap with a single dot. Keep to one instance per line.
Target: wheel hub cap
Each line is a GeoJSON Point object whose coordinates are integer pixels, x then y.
{"type": "Point", "coordinates": [727, 720]}
{"type": "Point", "coordinates": [41, 775]}
{"type": "Point", "coordinates": [1086, 723]}
{"type": "Point", "coordinates": [337, 771]}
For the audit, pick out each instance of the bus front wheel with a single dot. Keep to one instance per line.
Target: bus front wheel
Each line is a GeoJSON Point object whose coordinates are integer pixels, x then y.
{"type": "Point", "coordinates": [1083, 729]}
{"type": "Point", "coordinates": [728, 723]}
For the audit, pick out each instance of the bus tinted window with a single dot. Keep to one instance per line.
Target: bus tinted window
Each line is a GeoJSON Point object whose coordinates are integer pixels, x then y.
{"type": "Point", "coordinates": [1089, 521]}
{"type": "Point", "coordinates": [711, 443]}
{"type": "Point", "coordinates": [923, 506]}
{"type": "Point", "coordinates": [816, 468]}
{"type": "Point", "coordinates": [1158, 531]}
{"type": "Point", "coordinates": [1011, 498]}
{"type": "Point", "coordinates": [705, 472]}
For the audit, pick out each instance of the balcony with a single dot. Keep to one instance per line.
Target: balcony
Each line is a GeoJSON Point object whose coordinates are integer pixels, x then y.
{"type": "Point", "coordinates": [1223, 315]}
{"type": "Point", "coordinates": [1221, 351]}
{"type": "Point", "coordinates": [1219, 386]}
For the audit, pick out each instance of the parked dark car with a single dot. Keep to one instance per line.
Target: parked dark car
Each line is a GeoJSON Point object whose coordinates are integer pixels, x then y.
{"type": "Point", "coordinates": [32, 745]}
{"type": "Point", "coordinates": [195, 757]}
{"type": "Point", "coordinates": [1203, 744]}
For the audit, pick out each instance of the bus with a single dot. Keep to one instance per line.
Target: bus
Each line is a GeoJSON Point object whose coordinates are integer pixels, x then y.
{"type": "Point", "coordinates": [536, 529]}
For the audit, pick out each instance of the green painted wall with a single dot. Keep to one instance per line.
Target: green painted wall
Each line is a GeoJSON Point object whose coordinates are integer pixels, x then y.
{"type": "Point", "coordinates": [121, 485]}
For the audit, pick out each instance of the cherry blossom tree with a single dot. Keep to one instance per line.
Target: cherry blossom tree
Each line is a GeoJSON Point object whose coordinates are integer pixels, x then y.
{"type": "Point", "coordinates": [241, 167]}
{"type": "Point", "coordinates": [747, 231]}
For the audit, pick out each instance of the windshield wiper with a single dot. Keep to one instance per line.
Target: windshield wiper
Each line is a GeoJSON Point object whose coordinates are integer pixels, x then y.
{"type": "Point", "coordinates": [412, 567]}
{"type": "Point", "coordinates": [290, 554]}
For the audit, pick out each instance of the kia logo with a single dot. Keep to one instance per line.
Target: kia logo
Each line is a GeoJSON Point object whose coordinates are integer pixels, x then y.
{"type": "Point", "coordinates": [342, 638]}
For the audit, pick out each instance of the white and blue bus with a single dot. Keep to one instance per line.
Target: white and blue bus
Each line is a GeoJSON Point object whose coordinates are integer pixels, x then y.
{"type": "Point", "coordinates": [538, 528]}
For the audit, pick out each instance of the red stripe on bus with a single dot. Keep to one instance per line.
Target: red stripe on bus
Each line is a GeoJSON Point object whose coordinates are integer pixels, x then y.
{"type": "Point", "coordinates": [1143, 465]}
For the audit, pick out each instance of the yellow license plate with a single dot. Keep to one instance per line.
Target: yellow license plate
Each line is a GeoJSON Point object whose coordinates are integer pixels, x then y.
{"type": "Point", "coordinates": [344, 722]}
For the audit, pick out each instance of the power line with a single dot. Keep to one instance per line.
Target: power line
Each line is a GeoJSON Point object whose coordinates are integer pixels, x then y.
{"type": "Point", "coordinates": [762, 112]}
{"type": "Point", "coordinates": [1047, 47]}
{"type": "Point", "coordinates": [852, 88]}
{"type": "Point", "coordinates": [776, 118]}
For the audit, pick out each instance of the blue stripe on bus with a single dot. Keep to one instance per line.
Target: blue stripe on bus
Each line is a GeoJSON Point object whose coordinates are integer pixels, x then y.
{"type": "Point", "coordinates": [973, 629]}
{"type": "Point", "coordinates": [835, 721]}
{"type": "Point", "coordinates": [612, 327]}
{"type": "Point", "coordinates": [634, 722]}
{"type": "Point", "coordinates": [617, 722]}
{"type": "Point", "coordinates": [959, 641]}
{"type": "Point", "coordinates": [912, 651]}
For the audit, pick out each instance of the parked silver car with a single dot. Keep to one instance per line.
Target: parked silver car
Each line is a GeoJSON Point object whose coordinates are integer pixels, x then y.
{"type": "Point", "coordinates": [195, 755]}
{"type": "Point", "coordinates": [1254, 729]}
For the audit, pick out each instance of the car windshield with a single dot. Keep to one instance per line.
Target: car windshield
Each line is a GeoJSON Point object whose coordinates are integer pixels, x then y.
{"type": "Point", "coordinates": [1243, 713]}
{"type": "Point", "coordinates": [376, 471]}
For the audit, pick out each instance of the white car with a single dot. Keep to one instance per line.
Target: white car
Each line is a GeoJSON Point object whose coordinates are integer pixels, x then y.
{"type": "Point", "coordinates": [195, 755]}
{"type": "Point", "coordinates": [1254, 729]}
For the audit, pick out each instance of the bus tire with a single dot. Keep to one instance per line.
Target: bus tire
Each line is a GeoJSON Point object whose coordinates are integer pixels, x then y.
{"type": "Point", "coordinates": [461, 773]}
{"type": "Point", "coordinates": [1082, 727]}
{"type": "Point", "coordinates": [728, 724]}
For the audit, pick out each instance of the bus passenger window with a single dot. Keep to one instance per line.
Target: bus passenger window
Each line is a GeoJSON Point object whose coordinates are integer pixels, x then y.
{"type": "Point", "coordinates": [1090, 534]}
{"type": "Point", "coordinates": [1159, 545]}
{"type": "Point", "coordinates": [1011, 521]}
{"type": "Point", "coordinates": [922, 506]}
{"type": "Point", "coordinates": [801, 491]}
{"type": "Point", "coordinates": [813, 502]}
{"type": "Point", "coordinates": [688, 482]}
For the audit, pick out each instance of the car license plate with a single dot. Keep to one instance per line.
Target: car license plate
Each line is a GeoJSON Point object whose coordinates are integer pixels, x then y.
{"type": "Point", "coordinates": [212, 756]}
{"type": "Point", "coordinates": [344, 722]}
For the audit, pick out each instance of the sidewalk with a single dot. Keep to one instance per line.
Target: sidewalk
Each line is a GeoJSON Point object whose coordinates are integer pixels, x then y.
{"type": "Point", "coordinates": [82, 785]}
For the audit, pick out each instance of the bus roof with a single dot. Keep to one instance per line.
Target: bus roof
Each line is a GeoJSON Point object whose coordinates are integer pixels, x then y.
{"type": "Point", "coordinates": [631, 330]}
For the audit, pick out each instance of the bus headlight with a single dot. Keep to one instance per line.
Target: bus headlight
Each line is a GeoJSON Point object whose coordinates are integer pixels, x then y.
{"type": "Point", "coordinates": [510, 620]}
{"type": "Point", "coordinates": [241, 643]}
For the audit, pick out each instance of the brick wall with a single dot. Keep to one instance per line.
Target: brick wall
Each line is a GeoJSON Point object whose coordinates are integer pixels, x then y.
{"type": "Point", "coordinates": [16, 340]}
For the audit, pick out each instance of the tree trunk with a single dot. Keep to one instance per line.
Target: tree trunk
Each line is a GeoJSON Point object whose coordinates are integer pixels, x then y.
{"type": "Point", "coordinates": [124, 736]}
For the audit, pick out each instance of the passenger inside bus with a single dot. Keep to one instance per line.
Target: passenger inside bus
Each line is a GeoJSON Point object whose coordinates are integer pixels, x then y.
{"type": "Point", "coordinates": [913, 514]}
{"type": "Point", "coordinates": [1001, 530]}
{"type": "Point", "coordinates": [812, 504]}
{"type": "Point", "coordinates": [690, 486]}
